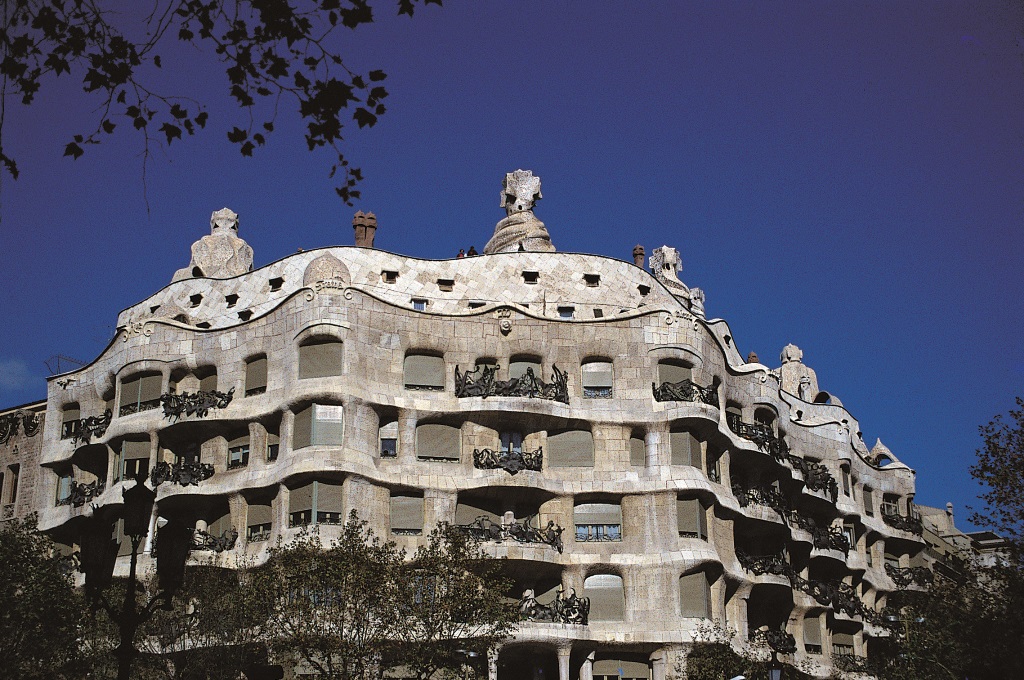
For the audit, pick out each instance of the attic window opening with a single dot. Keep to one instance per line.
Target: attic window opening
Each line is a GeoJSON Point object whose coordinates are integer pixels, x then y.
{"type": "Point", "coordinates": [447, 285]}
{"type": "Point", "coordinates": [419, 305]}
{"type": "Point", "coordinates": [276, 283]}
{"type": "Point", "coordinates": [566, 312]}
{"type": "Point", "coordinates": [530, 277]}
{"type": "Point", "coordinates": [476, 304]}
{"type": "Point", "coordinates": [152, 310]}
{"type": "Point", "coordinates": [644, 290]}
{"type": "Point", "coordinates": [592, 280]}
{"type": "Point", "coordinates": [231, 300]}
{"type": "Point", "coordinates": [598, 312]}
{"type": "Point", "coordinates": [388, 276]}
{"type": "Point", "coordinates": [203, 324]}
{"type": "Point", "coordinates": [197, 272]}
{"type": "Point", "coordinates": [196, 299]}
{"type": "Point", "coordinates": [245, 315]}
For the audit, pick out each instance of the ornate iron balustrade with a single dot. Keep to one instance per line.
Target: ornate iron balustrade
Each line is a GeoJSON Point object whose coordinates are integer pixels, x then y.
{"type": "Point", "coordinates": [483, 529]}
{"type": "Point", "coordinates": [563, 609]}
{"type": "Point", "coordinates": [826, 538]}
{"type": "Point", "coordinates": [148, 405]}
{"type": "Point", "coordinates": [905, 576]}
{"type": "Point", "coordinates": [816, 476]}
{"type": "Point", "coordinates": [182, 474]}
{"type": "Point", "coordinates": [897, 521]}
{"type": "Point", "coordinates": [10, 423]}
{"type": "Point", "coordinates": [511, 461]}
{"type": "Point", "coordinates": [685, 390]}
{"type": "Point", "coordinates": [203, 540]}
{"type": "Point", "coordinates": [762, 435]}
{"type": "Point", "coordinates": [93, 426]}
{"type": "Point", "coordinates": [80, 494]}
{"type": "Point", "coordinates": [258, 533]}
{"type": "Point", "coordinates": [470, 384]}
{"type": "Point", "coordinates": [777, 640]}
{"type": "Point", "coordinates": [836, 594]}
{"type": "Point", "coordinates": [194, 403]}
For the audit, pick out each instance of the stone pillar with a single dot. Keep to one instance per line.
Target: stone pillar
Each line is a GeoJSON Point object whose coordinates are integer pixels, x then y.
{"type": "Point", "coordinates": [285, 434]}
{"type": "Point", "coordinates": [656, 441]}
{"type": "Point", "coordinates": [257, 444]}
{"type": "Point", "coordinates": [407, 420]}
{"type": "Point", "coordinates": [238, 510]}
{"type": "Point", "coordinates": [154, 450]}
{"type": "Point", "coordinates": [438, 506]}
{"type": "Point", "coordinates": [280, 504]}
{"type": "Point", "coordinates": [659, 665]}
{"type": "Point", "coordinates": [492, 663]}
{"type": "Point", "coordinates": [563, 661]}
{"type": "Point", "coordinates": [587, 669]}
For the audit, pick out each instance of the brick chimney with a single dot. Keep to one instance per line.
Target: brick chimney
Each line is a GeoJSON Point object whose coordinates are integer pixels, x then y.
{"type": "Point", "coordinates": [365, 225]}
{"type": "Point", "coordinates": [638, 256]}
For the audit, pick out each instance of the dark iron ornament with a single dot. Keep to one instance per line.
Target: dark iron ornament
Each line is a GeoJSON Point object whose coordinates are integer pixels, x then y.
{"type": "Point", "coordinates": [511, 461]}
{"type": "Point", "coordinates": [897, 521]}
{"type": "Point", "coordinates": [93, 426]}
{"type": "Point", "coordinates": [10, 423]}
{"type": "Point", "coordinates": [836, 594]}
{"type": "Point", "coordinates": [81, 494]}
{"type": "Point", "coordinates": [685, 390]}
{"type": "Point", "coordinates": [563, 609]}
{"type": "Point", "coordinates": [206, 541]}
{"type": "Point", "coordinates": [483, 529]}
{"type": "Point", "coordinates": [905, 576]}
{"type": "Point", "coordinates": [480, 382]}
{"type": "Point", "coordinates": [194, 403]}
{"type": "Point", "coordinates": [182, 474]}
{"type": "Point", "coordinates": [824, 538]}
{"type": "Point", "coordinates": [778, 641]}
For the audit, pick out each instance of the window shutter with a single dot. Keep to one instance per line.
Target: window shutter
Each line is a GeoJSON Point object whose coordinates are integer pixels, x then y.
{"type": "Point", "coordinates": [673, 373]}
{"type": "Point", "coordinates": [688, 514]}
{"type": "Point", "coordinates": [812, 631]}
{"type": "Point", "coordinates": [329, 497]}
{"type": "Point", "coordinates": [598, 513]}
{"type": "Point", "coordinates": [467, 514]}
{"type": "Point", "coordinates": [130, 391]}
{"type": "Point", "coordinates": [134, 450]}
{"type": "Point", "coordinates": [685, 449]}
{"type": "Point", "coordinates": [328, 425]}
{"type": "Point", "coordinates": [424, 371]}
{"type": "Point", "coordinates": [695, 596]}
{"type": "Point", "coordinates": [869, 502]}
{"type": "Point", "coordinates": [149, 388]}
{"type": "Point", "coordinates": [606, 597]}
{"type": "Point", "coordinates": [637, 452]}
{"type": "Point", "coordinates": [302, 428]}
{"type": "Point", "coordinates": [597, 374]}
{"type": "Point", "coordinates": [260, 514]}
{"type": "Point", "coordinates": [72, 413]}
{"type": "Point", "coordinates": [438, 441]}
{"type": "Point", "coordinates": [301, 498]}
{"type": "Point", "coordinates": [574, 448]}
{"type": "Point", "coordinates": [220, 525]}
{"type": "Point", "coordinates": [256, 374]}
{"type": "Point", "coordinates": [320, 359]}
{"type": "Point", "coordinates": [209, 383]}
{"type": "Point", "coordinates": [406, 513]}
{"type": "Point", "coordinates": [517, 369]}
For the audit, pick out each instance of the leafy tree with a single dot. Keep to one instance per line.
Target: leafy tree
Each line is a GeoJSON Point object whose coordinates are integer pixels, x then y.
{"type": "Point", "coordinates": [41, 614]}
{"type": "Point", "coordinates": [453, 606]}
{"type": "Point", "coordinates": [274, 52]}
{"type": "Point", "coordinates": [334, 609]}
{"type": "Point", "coordinates": [1000, 468]}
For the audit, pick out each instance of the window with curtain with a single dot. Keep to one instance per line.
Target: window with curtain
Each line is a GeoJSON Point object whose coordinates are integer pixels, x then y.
{"type": "Point", "coordinates": [406, 515]}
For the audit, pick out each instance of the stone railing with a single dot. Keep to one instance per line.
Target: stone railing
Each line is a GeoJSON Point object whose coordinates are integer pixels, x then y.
{"type": "Point", "coordinates": [481, 382]}
{"type": "Point", "coordinates": [897, 521]}
{"type": "Point", "coordinates": [182, 474]}
{"type": "Point", "coordinates": [762, 435]}
{"type": "Point", "coordinates": [511, 461]}
{"type": "Point", "coordinates": [483, 529]}
{"type": "Point", "coordinates": [685, 390]}
{"type": "Point", "coordinates": [80, 494]}
{"type": "Point", "coordinates": [10, 423]}
{"type": "Point", "coordinates": [835, 594]}
{"type": "Point", "coordinates": [906, 576]}
{"type": "Point", "coordinates": [563, 609]}
{"type": "Point", "coordinates": [196, 404]}
{"type": "Point", "coordinates": [826, 538]}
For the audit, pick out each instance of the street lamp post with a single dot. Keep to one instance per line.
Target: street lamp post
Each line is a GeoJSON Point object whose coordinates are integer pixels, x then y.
{"type": "Point", "coordinates": [775, 668]}
{"type": "Point", "coordinates": [99, 553]}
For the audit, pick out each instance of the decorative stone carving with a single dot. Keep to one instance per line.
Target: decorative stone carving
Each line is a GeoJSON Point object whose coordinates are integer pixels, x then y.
{"type": "Point", "coordinates": [326, 268]}
{"type": "Point", "coordinates": [697, 302]}
{"type": "Point", "coordinates": [665, 266]}
{"type": "Point", "coordinates": [879, 452]}
{"type": "Point", "coordinates": [520, 230]}
{"type": "Point", "coordinates": [222, 254]}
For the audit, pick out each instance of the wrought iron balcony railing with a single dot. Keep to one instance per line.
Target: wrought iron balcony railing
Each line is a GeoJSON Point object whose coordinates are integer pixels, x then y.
{"type": "Point", "coordinates": [203, 540]}
{"type": "Point", "coordinates": [905, 576]}
{"type": "Point", "coordinates": [196, 404]}
{"type": "Point", "coordinates": [139, 407]}
{"type": "Point", "coordinates": [481, 382]}
{"type": "Point", "coordinates": [511, 460]}
{"type": "Point", "coordinates": [84, 429]}
{"type": "Point", "coordinates": [598, 533]}
{"type": "Point", "coordinates": [563, 609]}
{"type": "Point", "coordinates": [777, 640]}
{"type": "Point", "coordinates": [762, 435]}
{"type": "Point", "coordinates": [483, 529]}
{"type": "Point", "coordinates": [182, 474]}
{"type": "Point", "coordinates": [257, 533]}
{"type": "Point", "coordinates": [898, 521]}
{"type": "Point", "coordinates": [685, 390]}
{"type": "Point", "coordinates": [826, 538]}
{"type": "Point", "coordinates": [10, 423]}
{"type": "Point", "coordinates": [80, 494]}
{"type": "Point", "coordinates": [816, 476]}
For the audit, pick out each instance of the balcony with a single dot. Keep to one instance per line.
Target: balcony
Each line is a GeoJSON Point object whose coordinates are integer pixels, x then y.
{"type": "Point", "coordinates": [196, 404]}
{"type": "Point", "coordinates": [598, 533]}
{"type": "Point", "coordinates": [563, 609]}
{"type": "Point", "coordinates": [80, 494]}
{"type": "Point", "coordinates": [685, 390]}
{"type": "Point", "coordinates": [762, 435]}
{"type": "Point", "coordinates": [840, 597]}
{"type": "Point", "coordinates": [258, 533]}
{"type": "Point", "coordinates": [906, 576]}
{"type": "Point", "coordinates": [511, 460]}
{"type": "Point", "coordinates": [139, 407]}
{"type": "Point", "coordinates": [483, 529]}
{"type": "Point", "coordinates": [891, 516]}
{"type": "Point", "coordinates": [481, 382]}
{"type": "Point", "coordinates": [84, 429]}
{"type": "Point", "coordinates": [203, 540]}
{"type": "Point", "coordinates": [823, 538]}
{"type": "Point", "coordinates": [182, 474]}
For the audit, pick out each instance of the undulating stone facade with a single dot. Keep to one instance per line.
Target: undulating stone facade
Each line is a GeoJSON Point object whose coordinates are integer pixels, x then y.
{"type": "Point", "coordinates": [579, 413]}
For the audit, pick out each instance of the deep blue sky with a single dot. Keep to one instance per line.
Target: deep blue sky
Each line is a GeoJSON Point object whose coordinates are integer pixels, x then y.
{"type": "Point", "coordinates": [848, 177]}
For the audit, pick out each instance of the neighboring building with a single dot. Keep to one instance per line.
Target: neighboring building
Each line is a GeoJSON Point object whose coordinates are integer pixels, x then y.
{"type": "Point", "coordinates": [949, 550]}
{"type": "Point", "coordinates": [522, 393]}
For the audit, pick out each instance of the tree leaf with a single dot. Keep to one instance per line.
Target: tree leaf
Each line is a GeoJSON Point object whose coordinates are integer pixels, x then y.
{"type": "Point", "coordinates": [73, 150]}
{"type": "Point", "coordinates": [172, 131]}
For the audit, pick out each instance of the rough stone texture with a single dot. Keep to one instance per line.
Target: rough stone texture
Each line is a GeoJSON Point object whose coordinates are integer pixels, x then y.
{"type": "Point", "coordinates": [220, 255]}
{"type": "Point", "coordinates": [520, 230]}
{"type": "Point", "coordinates": [344, 293]}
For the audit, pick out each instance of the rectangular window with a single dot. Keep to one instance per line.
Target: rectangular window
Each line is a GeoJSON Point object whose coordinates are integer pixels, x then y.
{"type": "Point", "coordinates": [846, 481]}
{"type": "Point", "coordinates": [64, 478]}
{"type": "Point", "coordinates": [419, 305]}
{"type": "Point", "coordinates": [512, 442]}
{"type": "Point", "coordinates": [272, 450]}
{"type": "Point", "coordinates": [134, 460]}
{"type": "Point", "coordinates": [259, 522]}
{"type": "Point", "coordinates": [276, 283]}
{"type": "Point", "coordinates": [446, 285]}
{"type": "Point", "coordinates": [685, 449]}
{"type": "Point", "coordinates": [476, 304]}
{"type": "Point", "coordinates": [319, 425]}
{"type": "Point", "coordinates": [140, 393]}
{"type": "Point", "coordinates": [637, 452]}
{"type": "Point", "coordinates": [256, 376]}
{"type": "Point", "coordinates": [597, 380]}
{"type": "Point", "coordinates": [530, 277]}
{"type": "Point", "coordinates": [573, 448]}
{"type": "Point", "coordinates": [592, 280]}
{"type": "Point", "coordinates": [321, 359]}
{"type": "Point", "coordinates": [71, 422]}
{"type": "Point", "coordinates": [14, 472]}
{"type": "Point", "coordinates": [231, 300]}
{"type": "Point", "coordinates": [566, 312]}
{"type": "Point", "coordinates": [812, 635]}
{"type": "Point", "coordinates": [424, 372]}
{"type": "Point", "coordinates": [596, 522]}
{"type": "Point", "coordinates": [869, 504]}
{"type": "Point", "coordinates": [695, 596]}
{"type": "Point", "coordinates": [388, 435]}
{"type": "Point", "coordinates": [389, 276]}
{"type": "Point", "coordinates": [438, 442]}
{"type": "Point", "coordinates": [692, 518]}
{"type": "Point", "coordinates": [407, 515]}
{"type": "Point", "coordinates": [238, 456]}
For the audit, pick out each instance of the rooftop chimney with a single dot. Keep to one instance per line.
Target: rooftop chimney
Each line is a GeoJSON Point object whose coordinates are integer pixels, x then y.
{"type": "Point", "coordinates": [365, 225]}
{"type": "Point", "coordinates": [638, 256]}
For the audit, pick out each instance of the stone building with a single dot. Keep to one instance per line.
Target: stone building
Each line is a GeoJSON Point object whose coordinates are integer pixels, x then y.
{"type": "Point", "coordinates": [643, 480]}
